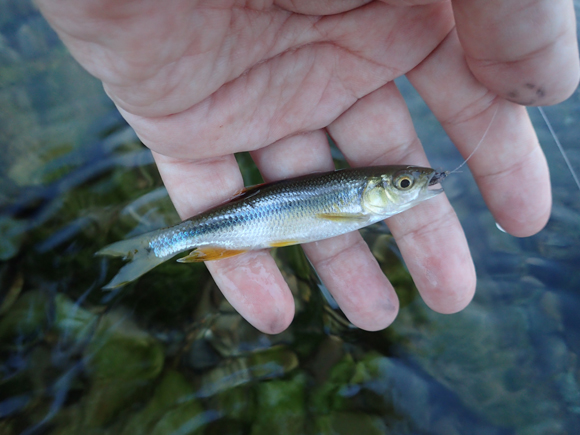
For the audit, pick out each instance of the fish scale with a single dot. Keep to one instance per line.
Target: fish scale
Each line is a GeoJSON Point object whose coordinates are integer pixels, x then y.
{"type": "Point", "coordinates": [283, 211]}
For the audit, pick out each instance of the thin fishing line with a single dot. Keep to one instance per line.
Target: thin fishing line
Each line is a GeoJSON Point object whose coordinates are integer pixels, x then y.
{"type": "Point", "coordinates": [480, 142]}
{"type": "Point", "coordinates": [560, 147]}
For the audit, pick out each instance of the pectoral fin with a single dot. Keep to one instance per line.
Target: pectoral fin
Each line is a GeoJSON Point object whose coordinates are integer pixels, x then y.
{"type": "Point", "coordinates": [209, 253]}
{"type": "Point", "coordinates": [343, 217]}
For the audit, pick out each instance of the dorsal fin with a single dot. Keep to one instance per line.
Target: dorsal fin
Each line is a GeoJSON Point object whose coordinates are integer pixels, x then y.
{"type": "Point", "coordinates": [246, 192]}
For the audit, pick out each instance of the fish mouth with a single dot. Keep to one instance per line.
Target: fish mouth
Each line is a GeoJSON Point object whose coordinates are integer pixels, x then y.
{"type": "Point", "coordinates": [433, 184]}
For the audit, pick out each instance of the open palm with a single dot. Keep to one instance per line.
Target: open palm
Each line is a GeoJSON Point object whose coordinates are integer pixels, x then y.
{"type": "Point", "coordinates": [201, 80]}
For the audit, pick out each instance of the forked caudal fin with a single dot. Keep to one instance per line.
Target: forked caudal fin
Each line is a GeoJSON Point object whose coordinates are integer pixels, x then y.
{"type": "Point", "coordinates": [141, 257]}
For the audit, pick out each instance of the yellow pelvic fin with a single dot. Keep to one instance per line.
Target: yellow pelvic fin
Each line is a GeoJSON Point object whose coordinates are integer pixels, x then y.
{"type": "Point", "coordinates": [209, 253]}
{"type": "Point", "coordinates": [282, 243]}
{"type": "Point", "coordinates": [343, 217]}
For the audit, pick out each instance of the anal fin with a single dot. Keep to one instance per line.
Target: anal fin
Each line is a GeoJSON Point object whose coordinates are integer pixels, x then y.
{"type": "Point", "coordinates": [209, 253]}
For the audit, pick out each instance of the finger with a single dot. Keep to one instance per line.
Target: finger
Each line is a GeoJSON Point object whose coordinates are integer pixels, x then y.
{"type": "Point", "coordinates": [524, 50]}
{"type": "Point", "coordinates": [378, 130]}
{"type": "Point", "coordinates": [251, 282]}
{"type": "Point", "coordinates": [344, 263]}
{"type": "Point", "coordinates": [509, 167]}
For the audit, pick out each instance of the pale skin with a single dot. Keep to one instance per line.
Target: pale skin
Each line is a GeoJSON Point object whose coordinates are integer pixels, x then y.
{"type": "Point", "coordinates": [200, 80]}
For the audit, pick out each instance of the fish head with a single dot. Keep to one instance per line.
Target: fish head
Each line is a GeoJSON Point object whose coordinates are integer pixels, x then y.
{"type": "Point", "coordinates": [398, 188]}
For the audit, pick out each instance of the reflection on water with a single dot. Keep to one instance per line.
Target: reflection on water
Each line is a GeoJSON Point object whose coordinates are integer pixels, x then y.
{"type": "Point", "coordinates": [169, 355]}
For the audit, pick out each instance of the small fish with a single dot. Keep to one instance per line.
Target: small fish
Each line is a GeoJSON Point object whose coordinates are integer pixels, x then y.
{"type": "Point", "coordinates": [282, 213]}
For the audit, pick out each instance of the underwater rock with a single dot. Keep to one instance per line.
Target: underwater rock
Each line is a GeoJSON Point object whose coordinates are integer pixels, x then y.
{"type": "Point", "coordinates": [8, 55]}
{"type": "Point", "coordinates": [13, 232]}
{"type": "Point", "coordinates": [32, 38]}
{"type": "Point", "coordinates": [27, 319]}
{"type": "Point", "coordinates": [71, 321]}
{"type": "Point", "coordinates": [169, 410]}
{"type": "Point", "coordinates": [267, 364]}
{"type": "Point", "coordinates": [489, 359]}
{"type": "Point", "coordinates": [348, 423]}
{"type": "Point", "coordinates": [120, 360]}
{"type": "Point", "coordinates": [280, 407]}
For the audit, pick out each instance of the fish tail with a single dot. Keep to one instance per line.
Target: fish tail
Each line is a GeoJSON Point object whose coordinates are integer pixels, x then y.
{"type": "Point", "coordinates": [141, 259]}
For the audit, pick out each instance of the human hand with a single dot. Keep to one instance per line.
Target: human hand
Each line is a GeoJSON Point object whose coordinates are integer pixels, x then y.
{"type": "Point", "coordinates": [201, 80]}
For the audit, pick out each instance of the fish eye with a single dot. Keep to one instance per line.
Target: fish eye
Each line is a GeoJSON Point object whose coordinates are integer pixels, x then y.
{"type": "Point", "coordinates": [404, 182]}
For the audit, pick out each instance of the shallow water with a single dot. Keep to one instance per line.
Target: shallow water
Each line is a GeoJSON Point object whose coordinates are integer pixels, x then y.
{"type": "Point", "coordinates": [169, 355]}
